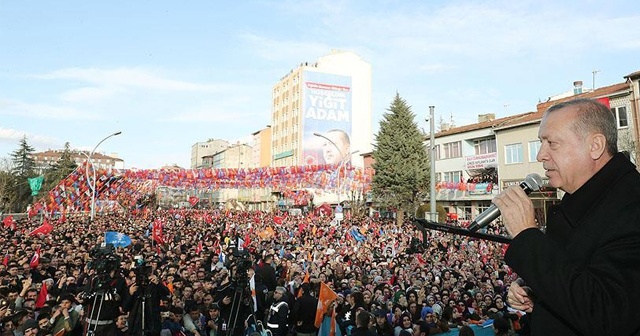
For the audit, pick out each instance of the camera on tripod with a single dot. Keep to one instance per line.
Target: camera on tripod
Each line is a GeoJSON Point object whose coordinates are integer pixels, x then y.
{"type": "Point", "coordinates": [242, 262]}
{"type": "Point", "coordinates": [142, 271]}
{"type": "Point", "coordinates": [104, 260]}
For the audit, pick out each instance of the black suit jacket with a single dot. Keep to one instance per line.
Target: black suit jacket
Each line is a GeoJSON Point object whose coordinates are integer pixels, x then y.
{"type": "Point", "coordinates": [585, 271]}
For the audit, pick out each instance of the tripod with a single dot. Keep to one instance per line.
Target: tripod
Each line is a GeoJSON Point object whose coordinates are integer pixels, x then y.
{"type": "Point", "coordinates": [236, 305]}
{"type": "Point", "coordinates": [93, 321]}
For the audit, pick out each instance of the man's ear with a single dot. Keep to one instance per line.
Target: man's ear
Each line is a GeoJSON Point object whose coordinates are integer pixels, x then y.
{"type": "Point", "coordinates": [597, 146]}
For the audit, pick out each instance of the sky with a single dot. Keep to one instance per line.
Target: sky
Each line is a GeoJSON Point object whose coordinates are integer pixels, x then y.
{"type": "Point", "coordinates": [168, 74]}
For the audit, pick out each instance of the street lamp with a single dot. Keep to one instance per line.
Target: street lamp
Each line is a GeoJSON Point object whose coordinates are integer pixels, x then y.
{"type": "Point", "coordinates": [93, 184]}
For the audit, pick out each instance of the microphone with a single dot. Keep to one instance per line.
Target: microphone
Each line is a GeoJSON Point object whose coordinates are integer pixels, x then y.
{"type": "Point", "coordinates": [531, 183]}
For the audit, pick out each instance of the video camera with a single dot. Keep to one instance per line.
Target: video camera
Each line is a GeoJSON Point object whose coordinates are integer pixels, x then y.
{"type": "Point", "coordinates": [242, 261]}
{"type": "Point", "coordinates": [104, 259]}
{"type": "Point", "coordinates": [142, 271]}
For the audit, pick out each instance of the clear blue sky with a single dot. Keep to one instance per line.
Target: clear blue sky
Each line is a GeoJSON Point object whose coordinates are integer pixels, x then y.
{"type": "Point", "coordinates": [171, 73]}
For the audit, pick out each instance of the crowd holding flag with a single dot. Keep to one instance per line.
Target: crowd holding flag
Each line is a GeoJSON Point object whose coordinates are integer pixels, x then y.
{"type": "Point", "coordinates": [35, 260]}
{"type": "Point", "coordinates": [325, 313]}
{"type": "Point", "coordinates": [117, 239]}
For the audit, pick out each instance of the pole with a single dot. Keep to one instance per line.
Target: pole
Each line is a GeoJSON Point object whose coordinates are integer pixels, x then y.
{"type": "Point", "coordinates": [93, 189]}
{"type": "Point", "coordinates": [432, 161]}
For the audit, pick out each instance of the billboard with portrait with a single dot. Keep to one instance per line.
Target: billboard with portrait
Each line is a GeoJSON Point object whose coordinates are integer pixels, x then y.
{"type": "Point", "coordinates": [326, 114]}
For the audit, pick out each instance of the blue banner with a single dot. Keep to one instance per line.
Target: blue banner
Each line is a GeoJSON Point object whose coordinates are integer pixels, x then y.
{"type": "Point", "coordinates": [117, 239]}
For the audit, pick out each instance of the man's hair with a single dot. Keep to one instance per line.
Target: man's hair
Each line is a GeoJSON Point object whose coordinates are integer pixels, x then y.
{"type": "Point", "coordinates": [363, 319]}
{"type": "Point", "coordinates": [593, 117]}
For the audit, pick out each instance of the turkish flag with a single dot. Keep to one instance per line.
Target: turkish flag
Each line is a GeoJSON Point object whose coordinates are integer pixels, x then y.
{"type": "Point", "coordinates": [9, 222]}
{"type": "Point", "coordinates": [43, 229]}
{"type": "Point", "coordinates": [42, 296]}
{"type": "Point", "coordinates": [193, 200]}
{"type": "Point", "coordinates": [277, 220]}
{"type": "Point", "coordinates": [157, 232]}
{"type": "Point", "coordinates": [199, 248]}
{"type": "Point", "coordinates": [35, 260]}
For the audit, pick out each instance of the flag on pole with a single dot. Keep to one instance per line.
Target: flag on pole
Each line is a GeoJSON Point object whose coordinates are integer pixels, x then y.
{"type": "Point", "coordinates": [252, 287]}
{"type": "Point", "coordinates": [117, 239]}
{"type": "Point", "coordinates": [8, 221]}
{"type": "Point", "coordinates": [199, 248]}
{"type": "Point", "coordinates": [43, 229]}
{"type": "Point", "coordinates": [42, 296]}
{"type": "Point", "coordinates": [325, 299]}
{"type": "Point", "coordinates": [35, 260]}
{"type": "Point", "coordinates": [157, 232]}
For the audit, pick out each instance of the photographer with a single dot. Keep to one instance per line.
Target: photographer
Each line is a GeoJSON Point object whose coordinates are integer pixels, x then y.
{"type": "Point", "coordinates": [104, 293]}
{"type": "Point", "coordinates": [234, 295]}
{"type": "Point", "coordinates": [143, 302]}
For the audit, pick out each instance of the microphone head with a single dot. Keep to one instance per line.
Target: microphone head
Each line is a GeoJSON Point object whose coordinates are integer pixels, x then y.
{"type": "Point", "coordinates": [533, 181]}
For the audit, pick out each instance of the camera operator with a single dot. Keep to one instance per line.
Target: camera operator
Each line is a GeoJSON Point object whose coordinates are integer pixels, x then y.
{"type": "Point", "coordinates": [234, 295]}
{"type": "Point", "coordinates": [104, 293]}
{"type": "Point", "coordinates": [143, 302]}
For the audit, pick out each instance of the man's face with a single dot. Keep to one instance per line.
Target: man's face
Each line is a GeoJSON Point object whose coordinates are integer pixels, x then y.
{"type": "Point", "coordinates": [565, 155]}
{"type": "Point", "coordinates": [121, 322]}
{"type": "Point", "coordinates": [334, 150]}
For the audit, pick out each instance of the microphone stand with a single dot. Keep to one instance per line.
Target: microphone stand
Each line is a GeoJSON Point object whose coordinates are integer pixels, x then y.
{"type": "Point", "coordinates": [427, 224]}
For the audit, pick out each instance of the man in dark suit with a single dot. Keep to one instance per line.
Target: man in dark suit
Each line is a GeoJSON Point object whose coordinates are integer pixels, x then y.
{"type": "Point", "coordinates": [303, 314]}
{"type": "Point", "coordinates": [588, 260]}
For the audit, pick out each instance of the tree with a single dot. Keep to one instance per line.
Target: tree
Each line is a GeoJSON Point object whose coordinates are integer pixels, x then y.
{"type": "Point", "coordinates": [7, 183]}
{"type": "Point", "coordinates": [23, 167]}
{"type": "Point", "coordinates": [59, 170]}
{"type": "Point", "coordinates": [401, 163]}
{"type": "Point", "coordinates": [23, 162]}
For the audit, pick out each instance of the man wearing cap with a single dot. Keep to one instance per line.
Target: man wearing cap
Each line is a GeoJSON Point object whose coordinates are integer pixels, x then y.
{"type": "Point", "coordinates": [383, 327]}
{"type": "Point", "coordinates": [215, 324]}
{"type": "Point", "coordinates": [278, 313]}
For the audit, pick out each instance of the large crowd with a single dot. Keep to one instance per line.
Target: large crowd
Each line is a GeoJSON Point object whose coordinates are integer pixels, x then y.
{"type": "Point", "coordinates": [188, 267]}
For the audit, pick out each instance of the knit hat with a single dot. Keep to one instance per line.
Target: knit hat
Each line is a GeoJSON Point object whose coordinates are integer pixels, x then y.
{"type": "Point", "coordinates": [425, 311]}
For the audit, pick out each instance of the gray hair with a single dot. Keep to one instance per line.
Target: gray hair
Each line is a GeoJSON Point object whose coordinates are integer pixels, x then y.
{"type": "Point", "coordinates": [593, 117]}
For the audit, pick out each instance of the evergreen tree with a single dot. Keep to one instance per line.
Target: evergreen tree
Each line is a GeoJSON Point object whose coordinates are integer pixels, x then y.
{"type": "Point", "coordinates": [23, 162]}
{"type": "Point", "coordinates": [23, 167]}
{"type": "Point", "coordinates": [401, 162]}
{"type": "Point", "coordinates": [59, 170]}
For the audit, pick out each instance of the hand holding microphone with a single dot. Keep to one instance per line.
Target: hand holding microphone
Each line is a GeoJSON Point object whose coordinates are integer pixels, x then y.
{"type": "Point", "coordinates": [517, 210]}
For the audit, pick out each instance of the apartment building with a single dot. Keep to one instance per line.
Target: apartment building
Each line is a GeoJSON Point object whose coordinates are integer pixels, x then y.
{"type": "Point", "coordinates": [475, 162]}
{"type": "Point", "coordinates": [206, 148]}
{"type": "Point", "coordinates": [45, 159]}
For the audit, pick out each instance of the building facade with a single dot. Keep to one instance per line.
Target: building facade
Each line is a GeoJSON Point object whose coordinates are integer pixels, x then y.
{"type": "Point", "coordinates": [44, 160]}
{"type": "Point", "coordinates": [476, 162]}
{"type": "Point", "coordinates": [199, 150]}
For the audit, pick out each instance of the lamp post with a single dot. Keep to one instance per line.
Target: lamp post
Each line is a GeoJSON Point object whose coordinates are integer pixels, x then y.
{"type": "Point", "coordinates": [93, 184]}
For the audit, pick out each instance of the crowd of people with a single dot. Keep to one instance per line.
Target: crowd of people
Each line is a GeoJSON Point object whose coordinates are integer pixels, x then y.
{"type": "Point", "coordinates": [196, 272]}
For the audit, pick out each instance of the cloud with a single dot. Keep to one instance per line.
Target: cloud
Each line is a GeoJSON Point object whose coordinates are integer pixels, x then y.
{"type": "Point", "coordinates": [13, 136]}
{"type": "Point", "coordinates": [434, 68]}
{"type": "Point", "coordinates": [277, 50]}
{"type": "Point", "coordinates": [87, 94]}
{"type": "Point", "coordinates": [128, 78]}
{"type": "Point", "coordinates": [43, 111]}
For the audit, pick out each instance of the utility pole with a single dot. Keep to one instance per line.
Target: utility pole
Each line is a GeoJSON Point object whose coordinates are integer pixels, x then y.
{"type": "Point", "coordinates": [432, 161]}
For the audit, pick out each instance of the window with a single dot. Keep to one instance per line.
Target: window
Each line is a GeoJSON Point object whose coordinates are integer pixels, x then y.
{"type": "Point", "coordinates": [451, 150]}
{"type": "Point", "coordinates": [513, 153]}
{"type": "Point", "coordinates": [621, 116]}
{"type": "Point", "coordinates": [485, 146]}
{"type": "Point", "coordinates": [452, 176]}
{"type": "Point", "coordinates": [438, 177]}
{"type": "Point", "coordinates": [534, 148]}
{"type": "Point", "coordinates": [436, 149]}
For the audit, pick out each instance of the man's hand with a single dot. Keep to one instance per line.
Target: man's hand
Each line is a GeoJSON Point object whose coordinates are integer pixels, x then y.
{"type": "Point", "coordinates": [518, 298]}
{"type": "Point", "coordinates": [132, 289]}
{"type": "Point", "coordinates": [516, 210]}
